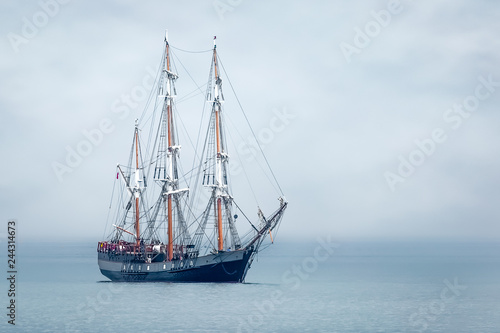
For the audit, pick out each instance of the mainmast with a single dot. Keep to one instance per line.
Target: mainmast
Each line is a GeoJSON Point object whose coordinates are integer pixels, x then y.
{"type": "Point", "coordinates": [170, 179]}
{"type": "Point", "coordinates": [166, 165]}
{"type": "Point", "coordinates": [169, 156]}
{"type": "Point", "coordinates": [218, 99]}
{"type": "Point", "coordinates": [137, 189]}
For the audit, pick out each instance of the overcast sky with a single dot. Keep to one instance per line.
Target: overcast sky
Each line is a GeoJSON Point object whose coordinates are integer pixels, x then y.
{"type": "Point", "coordinates": [380, 119]}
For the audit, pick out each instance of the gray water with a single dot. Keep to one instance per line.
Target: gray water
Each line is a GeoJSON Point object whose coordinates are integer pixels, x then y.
{"type": "Point", "coordinates": [347, 287]}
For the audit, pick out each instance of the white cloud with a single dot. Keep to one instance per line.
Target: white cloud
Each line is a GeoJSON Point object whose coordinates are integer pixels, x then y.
{"type": "Point", "coordinates": [353, 120]}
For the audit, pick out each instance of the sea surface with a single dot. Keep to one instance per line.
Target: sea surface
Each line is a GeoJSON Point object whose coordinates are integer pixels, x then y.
{"type": "Point", "coordinates": [321, 286]}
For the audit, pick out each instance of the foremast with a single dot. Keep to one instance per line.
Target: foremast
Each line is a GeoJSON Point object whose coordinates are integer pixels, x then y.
{"type": "Point", "coordinates": [216, 176]}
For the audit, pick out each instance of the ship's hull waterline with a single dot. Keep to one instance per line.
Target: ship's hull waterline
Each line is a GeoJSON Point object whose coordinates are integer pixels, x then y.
{"type": "Point", "coordinates": [230, 266]}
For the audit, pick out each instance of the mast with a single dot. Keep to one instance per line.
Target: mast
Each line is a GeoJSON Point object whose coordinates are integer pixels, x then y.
{"type": "Point", "coordinates": [137, 191]}
{"type": "Point", "coordinates": [217, 106]}
{"type": "Point", "coordinates": [135, 183]}
{"type": "Point", "coordinates": [170, 158]}
{"type": "Point", "coordinates": [166, 173]}
{"type": "Point", "coordinates": [215, 171]}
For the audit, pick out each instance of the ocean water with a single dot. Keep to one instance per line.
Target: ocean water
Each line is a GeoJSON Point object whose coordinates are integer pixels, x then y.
{"type": "Point", "coordinates": [322, 286]}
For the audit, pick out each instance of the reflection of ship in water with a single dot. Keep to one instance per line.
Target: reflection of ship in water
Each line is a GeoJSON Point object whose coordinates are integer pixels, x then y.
{"type": "Point", "coordinates": [161, 234]}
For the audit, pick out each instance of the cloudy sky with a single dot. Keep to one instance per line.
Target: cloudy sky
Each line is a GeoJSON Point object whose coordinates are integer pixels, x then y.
{"type": "Point", "coordinates": [380, 118]}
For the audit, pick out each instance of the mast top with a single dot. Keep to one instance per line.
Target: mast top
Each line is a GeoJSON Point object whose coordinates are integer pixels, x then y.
{"type": "Point", "coordinates": [166, 36]}
{"type": "Point", "coordinates": [215, 37]}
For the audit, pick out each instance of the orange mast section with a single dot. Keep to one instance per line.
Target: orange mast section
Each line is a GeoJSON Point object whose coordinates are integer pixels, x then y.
{"type": "Point", "coordinates": [169, 203]}
{"type": "Point", "coordinates": [217, 135]}
{"type": "Point", "coordinates": [137, 230]}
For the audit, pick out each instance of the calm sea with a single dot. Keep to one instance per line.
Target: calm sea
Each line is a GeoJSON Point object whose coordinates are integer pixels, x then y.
{"type": "Point", "coordinates": [320, 286]}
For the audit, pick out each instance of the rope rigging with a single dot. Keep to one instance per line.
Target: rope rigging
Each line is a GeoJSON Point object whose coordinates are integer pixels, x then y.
{"type": "Point", "coordinates": [204, 51]}
{"type": "Point", "coordinates": [251, 129]}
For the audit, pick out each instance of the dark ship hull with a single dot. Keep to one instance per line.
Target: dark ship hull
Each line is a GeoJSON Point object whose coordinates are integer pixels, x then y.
{"type": "Point", "coordinates": [230, 266]}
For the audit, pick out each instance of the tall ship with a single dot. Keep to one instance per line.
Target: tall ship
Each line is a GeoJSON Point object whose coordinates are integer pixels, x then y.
{"type": "Point", "coordinates": [182, 227]}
